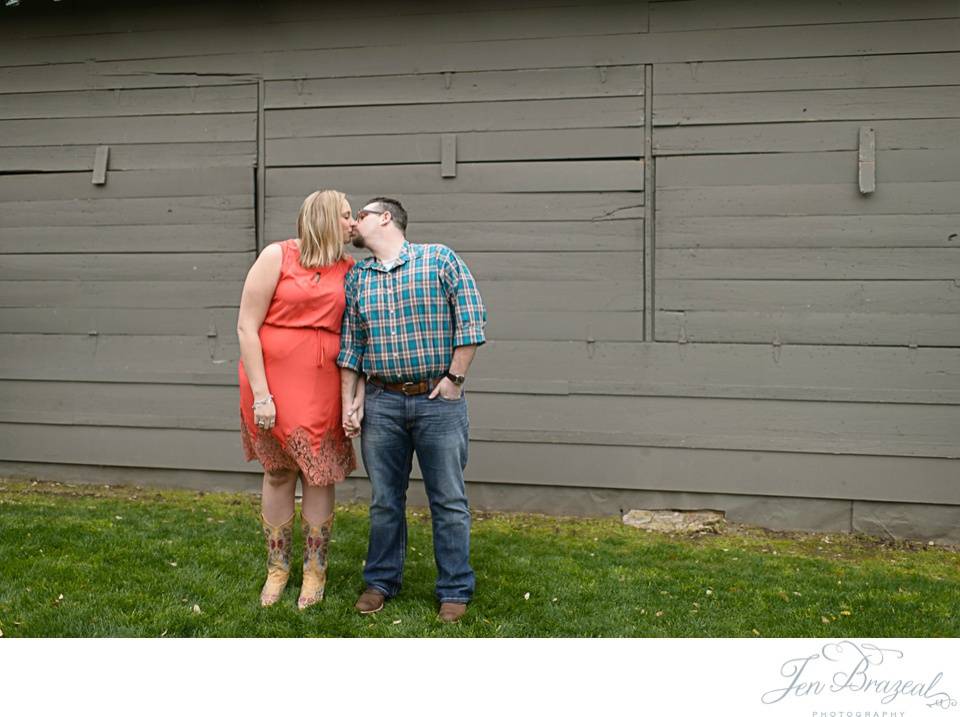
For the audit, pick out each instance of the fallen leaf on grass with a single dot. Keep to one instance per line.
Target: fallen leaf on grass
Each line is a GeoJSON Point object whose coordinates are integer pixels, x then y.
{"type": "Point", "coordinates": [756, 632]}
{"type": "Point", "coordinates": [173, 565]}
{"type": "Point", "coordinates": [163, 633]}
{"type": "Point", "coordinates": [196, 609]}
{"type": "Point", "coordinates": [825, 620]}
{"type": "Point", "coordinates": [397, 622]}
{"type": "Point", "coordinates": [659, 613]}
{"type": "Point", "coordinates": [845, 612]}
{"type": "Point", "coordinates": [526, 596]}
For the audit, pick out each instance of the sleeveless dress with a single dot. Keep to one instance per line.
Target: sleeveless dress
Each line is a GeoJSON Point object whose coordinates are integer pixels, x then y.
{"type": "Point", "coordinates": [300, 337]}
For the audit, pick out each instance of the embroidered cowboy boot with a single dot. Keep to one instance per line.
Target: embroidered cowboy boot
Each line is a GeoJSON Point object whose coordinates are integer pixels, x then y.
{"type": "Point", "coordinates": [316, 538]}
{"type": "Point", "coordinates": [279, 542]}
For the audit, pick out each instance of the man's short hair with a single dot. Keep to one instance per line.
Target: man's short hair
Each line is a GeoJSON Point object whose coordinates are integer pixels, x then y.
{"type": "Point", "coordinates": [397, 213]}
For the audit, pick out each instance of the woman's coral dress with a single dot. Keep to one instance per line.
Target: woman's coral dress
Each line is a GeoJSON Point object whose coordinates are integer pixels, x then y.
{"type": "Point", "coordinates": [300, 337]}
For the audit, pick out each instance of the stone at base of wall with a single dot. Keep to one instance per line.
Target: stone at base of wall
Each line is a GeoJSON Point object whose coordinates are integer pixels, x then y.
{"type": "Point", "coordinates": [912, 521]}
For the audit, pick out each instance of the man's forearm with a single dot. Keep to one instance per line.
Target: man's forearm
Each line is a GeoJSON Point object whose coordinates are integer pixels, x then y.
{"type": "Point", "coordinates": [348, 385]}
{"type": "Point", "coordinates": [462, 358]}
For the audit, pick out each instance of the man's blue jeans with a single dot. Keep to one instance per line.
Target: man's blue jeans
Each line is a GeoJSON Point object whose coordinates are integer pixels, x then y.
{"type": "Point", "coordinates": [394, 427]}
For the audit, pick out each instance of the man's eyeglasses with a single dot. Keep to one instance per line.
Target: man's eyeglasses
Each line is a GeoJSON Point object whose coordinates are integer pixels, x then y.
{"type": "Point", "coordinates": [362, 214]}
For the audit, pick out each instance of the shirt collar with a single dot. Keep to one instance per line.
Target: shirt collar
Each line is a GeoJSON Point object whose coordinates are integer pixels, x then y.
{"type": "Point", "coordinates": [407, 250]}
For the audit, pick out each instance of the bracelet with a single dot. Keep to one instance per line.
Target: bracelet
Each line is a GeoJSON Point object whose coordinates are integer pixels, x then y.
{"type": "Point", "coordinates": [262, 401]}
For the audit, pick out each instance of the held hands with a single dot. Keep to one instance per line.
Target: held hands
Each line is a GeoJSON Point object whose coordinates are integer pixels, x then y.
{"type": "Point", "coordinates": [448, 389]}
{"type": "Point", "coordinates": [352, 416]}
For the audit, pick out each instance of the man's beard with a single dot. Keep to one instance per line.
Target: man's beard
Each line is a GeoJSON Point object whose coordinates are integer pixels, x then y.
{"type": "Point", "coordinates": [358, 241]}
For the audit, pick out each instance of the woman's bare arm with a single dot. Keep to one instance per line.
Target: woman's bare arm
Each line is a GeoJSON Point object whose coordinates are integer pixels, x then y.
{"type": "Point", "coordinates": [257, 293]}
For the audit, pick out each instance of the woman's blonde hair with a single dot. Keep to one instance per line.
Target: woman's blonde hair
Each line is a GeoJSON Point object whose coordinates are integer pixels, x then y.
{"type": "Point", "coordinates": [318, 227]}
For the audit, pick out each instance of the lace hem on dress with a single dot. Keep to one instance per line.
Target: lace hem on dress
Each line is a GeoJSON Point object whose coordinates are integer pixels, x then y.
{"type": "Point", "coordinates": [333, 460]}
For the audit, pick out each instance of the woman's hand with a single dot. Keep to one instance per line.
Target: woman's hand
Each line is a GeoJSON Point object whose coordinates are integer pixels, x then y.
{"type": "Point", "coordinates": [265, 415]}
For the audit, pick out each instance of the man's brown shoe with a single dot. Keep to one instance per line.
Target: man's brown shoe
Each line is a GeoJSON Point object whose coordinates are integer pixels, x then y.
{"type": "Point", "coordinates": [452, 611]}
{"type": "Point", "coordinates": [370, 601]}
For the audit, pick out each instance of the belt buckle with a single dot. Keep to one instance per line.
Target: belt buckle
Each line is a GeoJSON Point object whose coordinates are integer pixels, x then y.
{"type": "Point", "coordinates": [403, 388]}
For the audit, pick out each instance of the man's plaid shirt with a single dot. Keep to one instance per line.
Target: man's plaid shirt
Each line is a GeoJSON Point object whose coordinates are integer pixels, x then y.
{"type": "Point", "coordinates": [403, 324]}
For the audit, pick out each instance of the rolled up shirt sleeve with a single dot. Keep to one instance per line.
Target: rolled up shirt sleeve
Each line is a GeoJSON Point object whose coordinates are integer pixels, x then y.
{"type": "Point", "coordinates": [353, 337]}
{"type": "Point", "coordinates": [470, 315]}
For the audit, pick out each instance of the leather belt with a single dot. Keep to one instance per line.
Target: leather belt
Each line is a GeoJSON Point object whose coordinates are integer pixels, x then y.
{"type": "Point", "coordinates": [407, 388]}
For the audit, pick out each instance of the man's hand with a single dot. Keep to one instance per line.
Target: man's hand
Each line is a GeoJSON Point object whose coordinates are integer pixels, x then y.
{"type": "Point", "coordinates": [448, 389]}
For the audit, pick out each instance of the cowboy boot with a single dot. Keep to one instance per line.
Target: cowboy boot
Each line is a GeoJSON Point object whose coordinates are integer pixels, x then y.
{"type": "Point", "coordinates": [316, 538]}
{"type": "Point", "coordinates": [279, 541]}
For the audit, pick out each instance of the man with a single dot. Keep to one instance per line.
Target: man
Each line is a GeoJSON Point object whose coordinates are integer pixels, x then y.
{"type": "Point", "coordinates": [412, 324]}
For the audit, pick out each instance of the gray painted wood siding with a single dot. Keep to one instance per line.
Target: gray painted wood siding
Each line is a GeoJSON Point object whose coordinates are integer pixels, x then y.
{"type": "Point", "coordinates": [805, 340]}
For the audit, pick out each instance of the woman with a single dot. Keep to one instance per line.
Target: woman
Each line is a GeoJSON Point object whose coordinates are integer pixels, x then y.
{"type": "Point", "coordinates": [289, 330]}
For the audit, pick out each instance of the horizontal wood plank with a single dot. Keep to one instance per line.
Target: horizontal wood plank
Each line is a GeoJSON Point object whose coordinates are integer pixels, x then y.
{"type": "Point", "coordinates": [807, 105]}
{"type": "Point", "coordinates": [472, 177]}
{"type": "Point", "coordinates": [73, 158]}
{"type": "Point", "coordinates": [494, 268]}
{"type": "Point", "coordinates": [808, 327]}
{"type": "Point", "coordinates": [126, 268]}
{"type": "Point", "coordinates": [877, 231]}
{"type": "Point", "coordinates": [816, 264]}
{"type": "Point", "coordinates": [234, 210]}
{"type": "Point", "coordinates": [471, 147]}
{"type": "Point", "coordinates": [805, 137]}
{"type": "Point", "coordinates": [221, 99]}
{"type": "Point", "coordinates": [196, 182]}
{"type": "Point", "coordinates": [809, 73]}
{"type": "Point", "coordinates": [235, 127]}
{"type": "Point", "coordinates": [518, 324]}
{"type": "Point", "coordinates": [441, 87]}
{"type": "Point", "coordinates": [199, 238]}
{"type": "Point", "coordinates": [220, 323]}
{"type": "Point", "coordinates": [130, 294]}
{"type": "Point", "coordinates": [702, 14]}
{"type": "Point", "coordinates": [545, 236]}
{"type": "Point", "coordinates": [455, 117]}
{"type": "Point", "coordinates": [813, 199]}
{"type": "Point", "coordinates": [789, 168]}
{"type": "Point", "coordinates": [888, 297]}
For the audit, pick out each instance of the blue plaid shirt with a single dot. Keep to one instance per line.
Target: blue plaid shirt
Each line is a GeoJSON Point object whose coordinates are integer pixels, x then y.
{"type": "Point", "coordinates": [403, 324]}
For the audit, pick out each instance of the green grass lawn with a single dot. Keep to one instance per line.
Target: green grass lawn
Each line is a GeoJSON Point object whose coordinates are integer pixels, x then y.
{"type": "Point", "coordinates": [98, 561]}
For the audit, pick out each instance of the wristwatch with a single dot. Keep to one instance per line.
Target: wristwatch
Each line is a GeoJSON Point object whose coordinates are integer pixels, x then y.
{"type": "Point", "coordinates": [457, 380]}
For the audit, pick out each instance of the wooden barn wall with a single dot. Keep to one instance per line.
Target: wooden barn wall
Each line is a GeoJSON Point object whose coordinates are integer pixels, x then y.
{"type": "Point", "coordinates": [688, 294]}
